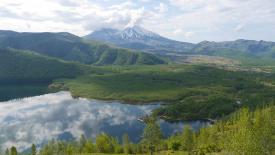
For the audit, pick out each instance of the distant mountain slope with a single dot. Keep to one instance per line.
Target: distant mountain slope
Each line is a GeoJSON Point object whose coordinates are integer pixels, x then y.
{"type": "Point", "coordinates": [24, 66]}
{"type": "Point", "coordinates": [67, 46]}
{"type": "Point", "coordinates": [256, 48]}
{"type": "Point", "coordinates": [139, 38]}
{"type": "Point", "coordinates": [248, 51]}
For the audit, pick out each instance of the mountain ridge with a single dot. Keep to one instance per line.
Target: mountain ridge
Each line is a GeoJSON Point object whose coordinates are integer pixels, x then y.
{"type": "Point", "coordinates": [243, 50]}
{"type": "Point", "coordinates": [69, 47]}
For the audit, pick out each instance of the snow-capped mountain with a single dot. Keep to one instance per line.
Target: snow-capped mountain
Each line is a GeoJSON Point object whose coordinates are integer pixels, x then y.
{"type": "Point", "coordinates": [139, 38]}
{"type": "Point", "coordinates": [137, 32]}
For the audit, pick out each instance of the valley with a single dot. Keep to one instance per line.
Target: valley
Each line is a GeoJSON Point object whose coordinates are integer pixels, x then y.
{"type": "Point", "coordinates": [137, 77]}
{"type": "Point", "coordinates": [115, 80]}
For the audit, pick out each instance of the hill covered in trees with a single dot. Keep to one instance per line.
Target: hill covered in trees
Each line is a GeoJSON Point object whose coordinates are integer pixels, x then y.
{"type": "Point", "coordinates": [18, 66]}
{"type": "Point", "coordinates": [69, 47]}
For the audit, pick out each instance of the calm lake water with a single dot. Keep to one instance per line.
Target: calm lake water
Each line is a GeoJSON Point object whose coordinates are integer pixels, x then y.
{"type": "Point", "coordinates": [39, 119]}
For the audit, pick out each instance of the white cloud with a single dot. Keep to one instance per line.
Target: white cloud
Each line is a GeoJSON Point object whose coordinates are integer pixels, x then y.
{"type": "Point", "coordinates": [210, 19]}
{"type": "Point", "coordinates": [177, 31]}
{"type": "Point", "coordinates": [239, 27]}
{"type": "Point", "coordinates": [79, 17]}
{"type": "Point", "coordinates": [145, 0]}
{"type": "Point", "coordinates": [222, 11]}
{"type": "Point", "coordinates": [189, 34]}
{"type": "Point", "coordinates": [162, 8]}
{"type": "Point", "coordinates": [217, 19]}
{"type": "Point", "coordinates": [46, 117]}
{"type": "Point", "coordinates": [180, 32]}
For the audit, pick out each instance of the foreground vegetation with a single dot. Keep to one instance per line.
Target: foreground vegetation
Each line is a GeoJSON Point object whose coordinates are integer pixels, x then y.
{"type": "Point", "coordinates": [244, 132]}
{"type": "Point", "coordinates": [191, 91]}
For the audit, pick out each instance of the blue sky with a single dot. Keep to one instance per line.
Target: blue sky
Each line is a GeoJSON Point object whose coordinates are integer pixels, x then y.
{"type": "Point", "coordinates": [184, 20]}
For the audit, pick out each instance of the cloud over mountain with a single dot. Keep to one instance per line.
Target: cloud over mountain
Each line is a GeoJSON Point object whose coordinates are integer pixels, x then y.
{"type": "Point", "coordinates": [202, 17]}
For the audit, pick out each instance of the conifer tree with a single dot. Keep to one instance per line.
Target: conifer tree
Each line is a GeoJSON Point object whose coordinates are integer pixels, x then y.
{"type": "Point", "coordinates": [152, 135]}
{"type": "Point", "coordinates": [187, 138]}
{"type": "Point", "coordinates": [34, 151]}
{"type": "Point", "coordinates": [13, 150]}
{"type": "Point", "coordinates": [126, 144]}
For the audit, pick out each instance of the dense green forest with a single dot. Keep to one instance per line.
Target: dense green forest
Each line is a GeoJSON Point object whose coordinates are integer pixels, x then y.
{"type": "Point", "coordinates": [190, 91]}
{"type": "Point", "coordinates": [246, 132]}
{"type": "Point", "coordinates": [28, 67]}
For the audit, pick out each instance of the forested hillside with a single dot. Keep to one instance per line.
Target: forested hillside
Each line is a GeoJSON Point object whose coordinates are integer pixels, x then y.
{"type": "Point", "coordinates": [27, 67]}
{"type": "Point", "coordinates": [69, 47]}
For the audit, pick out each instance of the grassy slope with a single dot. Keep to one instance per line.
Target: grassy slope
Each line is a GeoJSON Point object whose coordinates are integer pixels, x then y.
{"type": "Point", "coordinates": [196, 91]}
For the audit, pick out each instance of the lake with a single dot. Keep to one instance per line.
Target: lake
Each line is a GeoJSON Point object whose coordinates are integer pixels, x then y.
{"type": "Point", "coordinates": [41, 118]}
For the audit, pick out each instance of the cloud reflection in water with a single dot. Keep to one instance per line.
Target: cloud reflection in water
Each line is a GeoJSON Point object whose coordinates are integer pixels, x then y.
{"type": "Point", "coordinates": [42, 118]}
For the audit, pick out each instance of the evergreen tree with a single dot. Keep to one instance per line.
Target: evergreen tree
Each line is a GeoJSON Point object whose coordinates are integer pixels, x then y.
{"type": "Point", "coordinates": [89, 147]}
{"type": "Point", "coordinates": [13, 151]}
{"type": "Point", "coordinates": [264, 129]}
{"type": "Point", "coordinates": [203, 138]}
{"type": "Point", "coordinates": [33, 150]}
{"type": "Point", "coordinates": [116, 147]}
{"type": "Point", "coordinates": [126, 143]}
{"type": "Point", "coordinates": [7, 152]}
{"type": "Point", "coordinates": [70, 149]}
{"type": "Point", "coordinates": [152, 135]}
{"type": "Point", "coordinates": [187, 138]}
{"type": "Point", "coordinates": [103, 143]}
{"type": "Point", "coordinates": [242, 140]}
{"type": "Point", "coordinates": [82, 143]}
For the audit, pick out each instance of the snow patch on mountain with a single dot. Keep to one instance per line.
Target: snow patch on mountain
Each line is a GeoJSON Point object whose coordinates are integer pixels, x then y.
{"type": "Point", "coordinates": [138, 38]}
{"type": "Point", "coordinates": [137, 32]}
